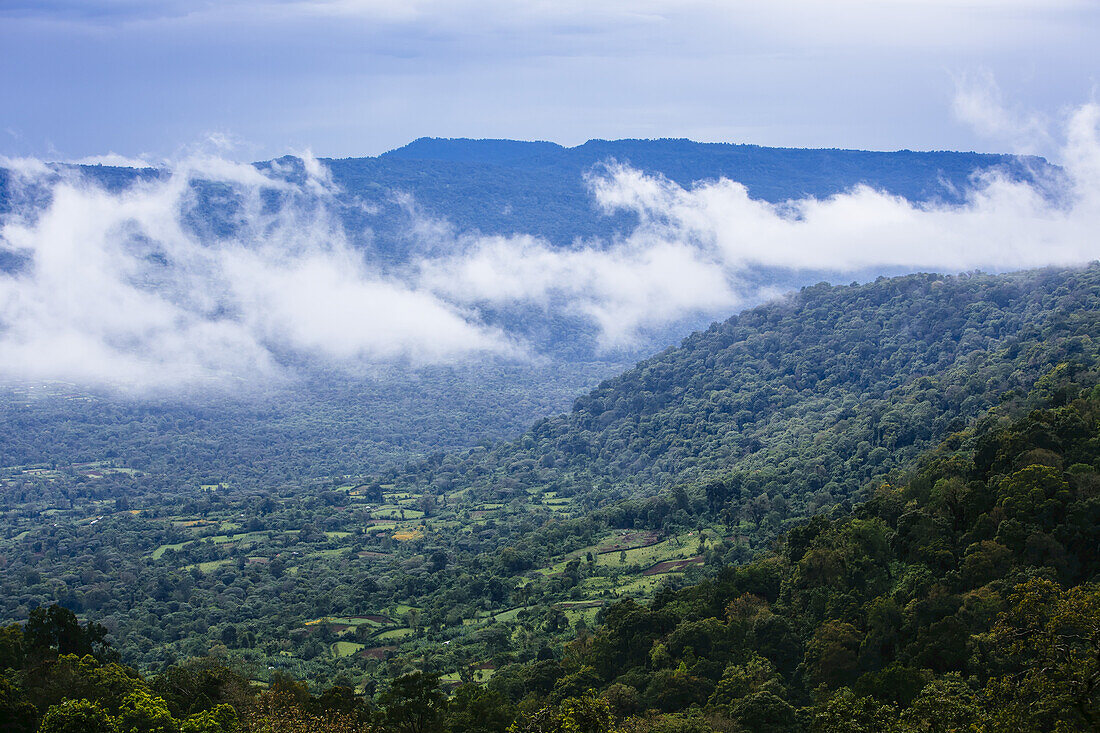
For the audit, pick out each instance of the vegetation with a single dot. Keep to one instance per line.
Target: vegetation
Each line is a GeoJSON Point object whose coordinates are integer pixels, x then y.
{"type": "Point", "coordinates": [617, 567]}
{"type": "Point", "coordinates": [962, 599]}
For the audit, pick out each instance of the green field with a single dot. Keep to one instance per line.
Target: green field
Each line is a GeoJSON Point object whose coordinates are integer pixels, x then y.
{"type": "Point", "coordinates": [346, 648]}
{"type": "Point", "coordinates": [394, 634]}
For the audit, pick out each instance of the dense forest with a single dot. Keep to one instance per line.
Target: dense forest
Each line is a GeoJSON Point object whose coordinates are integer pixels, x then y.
{"type": "Point", "coordinates": [466, 564]}
{"type": "Point", "coordinates": [962, 598]}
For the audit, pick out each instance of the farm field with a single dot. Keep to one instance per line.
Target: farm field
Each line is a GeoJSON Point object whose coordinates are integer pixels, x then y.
{"type": "Point", "coordinates": [348, 548]}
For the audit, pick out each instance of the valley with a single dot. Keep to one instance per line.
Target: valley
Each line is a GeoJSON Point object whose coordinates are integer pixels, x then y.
{"type": "Point", "coordinates": [475, 565]}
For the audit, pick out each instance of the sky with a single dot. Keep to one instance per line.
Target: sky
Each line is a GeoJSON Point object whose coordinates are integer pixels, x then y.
{"type": "Point", "coordinates": [118, 289]}
{"type": "Point", "coordinates": [81, 78]}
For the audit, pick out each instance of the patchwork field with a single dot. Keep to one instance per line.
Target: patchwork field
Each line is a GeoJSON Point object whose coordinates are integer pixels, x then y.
{"type": "Point", "coordinates": [392, 541]}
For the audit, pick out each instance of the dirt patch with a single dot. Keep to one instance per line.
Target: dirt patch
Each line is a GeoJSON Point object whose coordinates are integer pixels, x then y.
{"type": "Point", "coordinates": [629, 541]}
{"type": "Point", "coordinates": [377, 652]}
{"type": "Point", "coordinates": [672, 566]}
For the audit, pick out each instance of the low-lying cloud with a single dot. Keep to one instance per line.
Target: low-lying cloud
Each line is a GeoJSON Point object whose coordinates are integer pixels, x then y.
{"type": "Point", "coordinates": [118, 289]}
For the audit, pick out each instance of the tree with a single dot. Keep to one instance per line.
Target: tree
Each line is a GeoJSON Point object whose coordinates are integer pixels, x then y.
{"type": "Point", "coordinates": [413, 703]}
{"type": "Point", "coordinates": [12, 647]}
{"type": "Point", "coordinates": [945, 705]}
{"type": "Point", "coordinates": [141, 712]}
{"type": "Point", "coordinates": [845, 712]}
{"type": "Point", "coordinates": [220, 719]}
{"type": "Point", "coordinates": [77, 716]}
{"type": "Point", "coordinates": [475, 709]}
{"type": "Point", "coordinates": [56, 630]}
{"type": "Point", "coordinates": [833, 653]}
{"type": "Point", "coordinates": [17, 714]}
{"type": "Point", "coordinates": [586, 714]}
{"type": "Point", "coordinates": [764, 712]}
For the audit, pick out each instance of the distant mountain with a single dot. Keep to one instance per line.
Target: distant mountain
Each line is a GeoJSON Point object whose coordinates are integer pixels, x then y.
{"type": "Point", "coordinates": [505, 186]}
{"type": "Point", "coordinates": [491, 187]}
{"type": "Point", "coordinates": [539, 188]}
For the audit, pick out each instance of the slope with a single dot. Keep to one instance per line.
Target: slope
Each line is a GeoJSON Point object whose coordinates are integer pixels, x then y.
{"type": "Point", "coordinates": [697, 458]}
{"type": "Point", "coordinates": [813, 395]}
{"type": "Point", "coordinates": [964, 598]}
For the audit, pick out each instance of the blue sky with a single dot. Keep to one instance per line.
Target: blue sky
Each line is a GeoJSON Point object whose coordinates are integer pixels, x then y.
{"type": "Point", "coordinates": [357, 77]}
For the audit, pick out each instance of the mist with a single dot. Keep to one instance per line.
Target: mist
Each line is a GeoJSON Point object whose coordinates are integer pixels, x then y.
{"type": "Point", "coordinates": [122, 289]}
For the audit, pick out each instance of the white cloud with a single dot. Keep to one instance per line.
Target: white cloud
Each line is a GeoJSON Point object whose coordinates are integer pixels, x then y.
{"type": "Point", "coordinates": [117, 289]}
{"type": "Point", "coordinates": [978, 102]}
{"type": "Point", "coordinates": [693, 246]}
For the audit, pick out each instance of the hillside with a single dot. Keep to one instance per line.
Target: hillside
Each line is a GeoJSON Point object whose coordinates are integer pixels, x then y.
{"type": "Point", "coordinates": [515, 187]}
{"type": "Point", "coordinates": [352, 418]}
{"type": "Point", "coordinates": [505, 186]}
{"type": "Point", "coordinates": [697, 458]}
{"type": "Point", "coordinates": [809, 398]}
{"type": "Point", "coordinates": [963, 597]}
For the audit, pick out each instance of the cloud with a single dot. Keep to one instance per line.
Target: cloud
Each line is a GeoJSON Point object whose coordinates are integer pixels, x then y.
{"type": "Point", "coordinates": [123, 288]}
{"type": "Point", "coordinates": [979, 103]}
{"type": "Point", "coordinates": [695, 249]}
{"type": "Point", "coordinates": [119, 291]}
{"type": "Point", "coordinates": [623, 289]}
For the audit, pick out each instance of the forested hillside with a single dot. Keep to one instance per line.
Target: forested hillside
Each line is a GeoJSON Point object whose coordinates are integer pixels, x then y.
{"type": "Point", "coordinates": [470, 561]}
{"type": "Point", "coordinates": [806, 399]}
{"type": "Point", "coordinates": [962, 598]}
{"type": "Point", "coordinates": [507, 186]}
{"type": "Point", "coordinates": [349, 417]}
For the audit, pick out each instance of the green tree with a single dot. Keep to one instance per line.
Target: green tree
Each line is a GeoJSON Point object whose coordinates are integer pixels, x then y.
{"type": "Point", "coordinates": [764, 712]}
{"type": "Point", "coordinates": [946, 705]}
{"type": "Point", "coordinates": [17, 714]}
{"type": "Point", "coordinates": [475, 709]}
{"type": "Point", "coordinates": [77, 716]}
{"type": "Point", "coordinates": [141, 712]}
{"type": "Point", "coordinates": [845, 712]}
{"type": "Point", "coordinates": [220, 719]}
{"type": "Point", "coordinates": [585, 714]}
{"type": "Point", "coordinates": [56, 630]}
{"type": "Point", "coordinates": [12, 648]}
{"type": "Point", "coordinates": [413, 703]}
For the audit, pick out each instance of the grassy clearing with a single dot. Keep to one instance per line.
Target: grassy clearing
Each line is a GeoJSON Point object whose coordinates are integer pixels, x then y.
{"type": "Point", "coordinates": [509, 615]}
{"type": "Point", "coordinates": [346, 648]}
{"type": "Point", "coordinates": [398, 633]}
{"type": "Point", "coordinates": [397, 512]}
{"type": "Point", "coordinates": [478, 675]}
{"type": "Point", "coordinates": [674, 548]}
{"type": "Point", "coordinates": [206, 567]}
{"type": "Point", "coordinates": [644, 585]}
{"type": "Point", "coordinates": [159, 552]}
{"type": "Point", "coordinates": [588, 614]}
